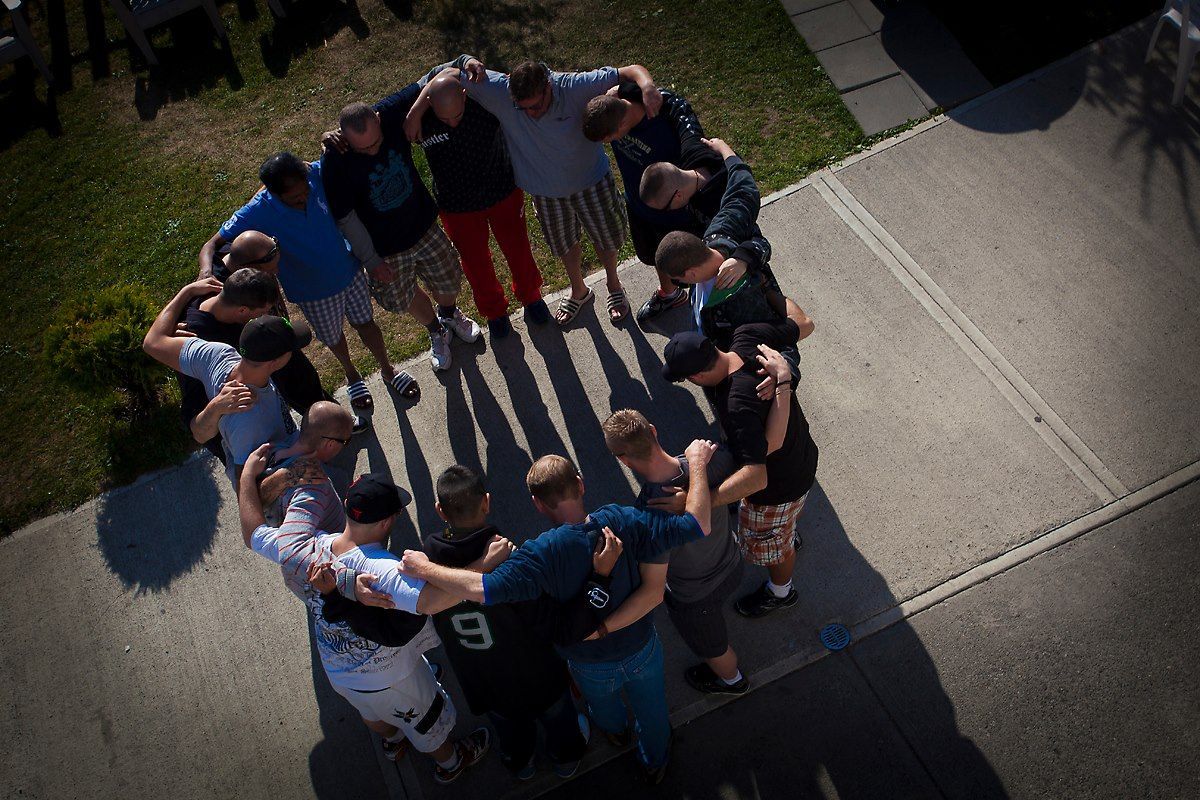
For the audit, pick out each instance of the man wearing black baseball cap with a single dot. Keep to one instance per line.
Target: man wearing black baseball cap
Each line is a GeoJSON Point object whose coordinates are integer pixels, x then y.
{"type": "Point", "coordinates": [770, 441]}
{"type": "Point", "coordinates": [391, 686]}
{"type": "Point", "coordinates": [266, 344]}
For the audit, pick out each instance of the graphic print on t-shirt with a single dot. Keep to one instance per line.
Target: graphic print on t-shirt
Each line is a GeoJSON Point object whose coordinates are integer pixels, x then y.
{"type": "Point", "coordinates": [390, 184]}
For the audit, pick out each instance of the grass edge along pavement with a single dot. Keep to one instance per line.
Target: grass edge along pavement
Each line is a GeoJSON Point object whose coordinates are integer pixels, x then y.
{"type": "Point", "coordinates": [120, 200]}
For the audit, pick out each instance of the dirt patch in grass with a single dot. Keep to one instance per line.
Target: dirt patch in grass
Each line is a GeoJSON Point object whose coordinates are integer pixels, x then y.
{"type": "Point", "coordinates": [151, 161]}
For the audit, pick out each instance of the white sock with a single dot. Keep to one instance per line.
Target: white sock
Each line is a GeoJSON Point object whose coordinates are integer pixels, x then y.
{"type": "Point", "coordinates": [734, 679]}
{"type": "Point", "coordinates": [452, 762]}
{"type": "Point", "coordinates": [779, 591]}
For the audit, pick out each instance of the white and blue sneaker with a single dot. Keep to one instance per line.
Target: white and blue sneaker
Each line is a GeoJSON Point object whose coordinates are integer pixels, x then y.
{"type": "Point", "coordinates": [461, 326]}
{"type": "Point", "coordinates": [439, 350]}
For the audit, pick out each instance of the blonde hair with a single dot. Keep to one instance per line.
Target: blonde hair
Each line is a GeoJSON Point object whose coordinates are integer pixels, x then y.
{"type": "Point", "coordinates": [629, 433]}
{"type": "Point", "coordinates": [553, 479]}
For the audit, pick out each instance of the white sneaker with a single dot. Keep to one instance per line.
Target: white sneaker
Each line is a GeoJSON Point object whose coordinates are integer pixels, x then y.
{"type": "Point", "coordinates": [439, 352]}
{"type": "Point", "coordinates": [463, 326]}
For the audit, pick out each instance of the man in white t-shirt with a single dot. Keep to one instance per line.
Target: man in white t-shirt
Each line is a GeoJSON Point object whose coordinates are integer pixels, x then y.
{"type": "Point", "coordinates": [266, 344]}
{"type": "Point", "coordinates": [393, 688]}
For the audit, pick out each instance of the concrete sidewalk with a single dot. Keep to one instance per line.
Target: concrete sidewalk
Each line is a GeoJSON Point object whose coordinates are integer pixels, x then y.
{"type": "Point", "coordinates": [1005, 343]}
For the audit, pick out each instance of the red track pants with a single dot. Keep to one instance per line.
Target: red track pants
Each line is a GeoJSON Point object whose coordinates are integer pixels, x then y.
{"type": "Point", "coordinates": [469, 232]}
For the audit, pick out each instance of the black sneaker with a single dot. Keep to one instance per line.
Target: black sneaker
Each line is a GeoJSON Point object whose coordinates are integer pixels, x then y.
{"type": "Point", "coordinates": [499, 327]}
{"type": "Point", "coordinates": [469, 749]}
{"type": "Point", "coordinates": [703, 679]}
{"type": "Point", "coordinates": [537, 312]}
{"type": "Point", "coordinates": [762, 601]}
{"type": "Point", "coordinates": [660, 303]}
{"type": "Point", "coordinates": [361, 424]}
{"type": "Point", "coordinates": [621, 740]}
{"type": "Point", "coordinates": [655, 776]}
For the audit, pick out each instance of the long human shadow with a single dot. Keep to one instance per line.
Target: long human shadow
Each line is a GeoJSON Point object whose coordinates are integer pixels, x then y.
{"type": "Point", "coordinates": [343, 764]}
{"type": "Point", "coordinates": [192, 60]}
{"type": "Point", "coordinates": [497, 31]}
{"type": "Point", "coordinates": [602, 475]}
{"type": "Point", "coordinates": [528, 405]}
{"type": "Point", "coordinates": [830, 728]}
{"type": "Point", "coordinates": [508, 463]}
{"type": "Point", "coordinates": [152, 534]}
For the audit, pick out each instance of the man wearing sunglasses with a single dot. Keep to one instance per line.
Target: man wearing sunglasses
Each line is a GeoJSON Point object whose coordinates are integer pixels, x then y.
{"type": "Point", "coordinates": [541, 115]}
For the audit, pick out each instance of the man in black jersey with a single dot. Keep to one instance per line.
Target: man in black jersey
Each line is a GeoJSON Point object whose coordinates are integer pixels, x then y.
{"type": "Point", "coordinates": [503, 655]}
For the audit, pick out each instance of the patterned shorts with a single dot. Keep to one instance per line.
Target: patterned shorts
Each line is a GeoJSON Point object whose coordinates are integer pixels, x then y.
{"type": "Point", "coordinates": [417, 705]}
{"type": "Point", "coordinates": [599, 209]}
{"type": "Point", "coordinates": [766, 534]}
{"type": "Point", "coordinates": [433, 259]}
{"type": "Point", "coordinates": [352, 304]}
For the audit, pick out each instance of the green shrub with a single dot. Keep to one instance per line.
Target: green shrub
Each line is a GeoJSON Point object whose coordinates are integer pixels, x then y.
{"type": "Point", "coordinates": [96, 344]}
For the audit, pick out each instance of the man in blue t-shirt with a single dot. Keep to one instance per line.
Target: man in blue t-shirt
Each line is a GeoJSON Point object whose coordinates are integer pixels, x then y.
{"type": "Point", "coordinates": [624, 653]}
{"type": "Point", "coordinates": [302, 245]}
{"type": "Point", "coordinates": [568, 176]}
{"type": "Point", "coordinates": [390, 219]}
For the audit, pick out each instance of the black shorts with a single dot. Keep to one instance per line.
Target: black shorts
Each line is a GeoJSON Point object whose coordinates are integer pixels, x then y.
{"type": "Point", "coordinates": [701, 624]}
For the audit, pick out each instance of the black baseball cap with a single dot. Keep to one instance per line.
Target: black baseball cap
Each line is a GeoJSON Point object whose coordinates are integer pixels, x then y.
{"type": "Point", "coordinates": [373, 496]}
{"type": "Point", "coordinates": [686, 354]}
{"type": "Point", "coordinates": [268, 337]}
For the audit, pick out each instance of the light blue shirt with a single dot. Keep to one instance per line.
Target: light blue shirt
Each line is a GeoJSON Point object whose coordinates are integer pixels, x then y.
{"type": "Point", "coordinates": [551, 157]}
{"type": "Point", "coordinates": [315, 261]}
{"type": "Point", "coordinates": [268, 420]}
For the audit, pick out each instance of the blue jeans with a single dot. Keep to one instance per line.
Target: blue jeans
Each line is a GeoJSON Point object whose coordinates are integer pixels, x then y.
{"type": "Point", "coordinates": [641, 676]}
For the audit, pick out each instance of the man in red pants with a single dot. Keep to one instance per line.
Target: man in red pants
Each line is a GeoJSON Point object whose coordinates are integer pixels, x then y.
{"type": "Point", "coordinates": [474, 186]}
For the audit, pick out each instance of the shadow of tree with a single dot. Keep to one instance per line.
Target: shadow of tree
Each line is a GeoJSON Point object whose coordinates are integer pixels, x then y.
{"type": "Point", "coordinates": [148, 544]}
{"type": "Point", "coordinates": [22, 110]}
{"type": "Point", "coordinates": [307, 26]}
{"type": "Point", "coordinates": [497, 31]}
{"type": "Point", "coordinates": [194, 60]}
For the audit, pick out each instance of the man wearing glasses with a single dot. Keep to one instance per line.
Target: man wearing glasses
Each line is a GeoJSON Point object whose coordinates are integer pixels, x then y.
{"type": "Point", "coordinates": [286, 229]}
{"type": "Point", "coordinates": [541, 114]}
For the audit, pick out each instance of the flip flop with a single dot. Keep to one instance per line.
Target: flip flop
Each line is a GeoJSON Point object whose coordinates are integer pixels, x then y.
{"type": "Point", "coordinates": [360, 396]}
{"type": "Point", "coordinates": [406, 386]}
{"type": "Point", "coordinates": [569, 309]}
{"type": "Point", "coordinates": [618, 303]}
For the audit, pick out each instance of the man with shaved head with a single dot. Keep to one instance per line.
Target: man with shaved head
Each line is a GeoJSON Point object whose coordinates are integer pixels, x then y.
{"type": "Point", "coordinates": [390, 219]}
{"type": "Point", "coordinates": [474, 186]}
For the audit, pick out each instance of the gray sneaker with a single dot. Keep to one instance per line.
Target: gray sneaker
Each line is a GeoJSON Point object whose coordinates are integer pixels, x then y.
{"type": "Point", "coordinates": [461, 326]}
{"type": "Point", "coordinates": [439, 351]}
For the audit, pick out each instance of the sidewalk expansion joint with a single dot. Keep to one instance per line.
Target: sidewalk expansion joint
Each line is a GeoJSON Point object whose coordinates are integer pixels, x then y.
{"type": "Point", "coordinates": [1053, 430]}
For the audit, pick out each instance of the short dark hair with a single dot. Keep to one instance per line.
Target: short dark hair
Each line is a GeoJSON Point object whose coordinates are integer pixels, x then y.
{"type": "Point", "coordinates": [527, 80]}
{"type": "Point", "coordinates": [654, 181]}
{"type": "Point", "coordinates": [282, 170]}
{"type": "Point", "coordinates": [355, 116]}
{"type": "Point", "coordinates": [678, 252]}
{"type": "Point", "coordinates": [602, 117]}
{"type": "Point", "coordinates": [250, 287]}
{"type": "Point", "coordinates": [460, 492]}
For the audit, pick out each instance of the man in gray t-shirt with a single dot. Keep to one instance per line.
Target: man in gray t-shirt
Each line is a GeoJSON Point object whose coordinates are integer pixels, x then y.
{"type": "Point", "coordinates": [266, 344]}
{"type": "Point", "coordinates": [700, 575]}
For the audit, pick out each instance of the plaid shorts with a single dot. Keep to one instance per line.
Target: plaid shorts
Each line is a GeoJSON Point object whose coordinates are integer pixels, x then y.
{"type": "Point", "coordinates": [598, 208]}
{"type": "Point", "coordinates": [352, 304]}
{"type": "Point", "coordinates": [766, 534]}
{"type": "Point", "coordinates": [433, 259]}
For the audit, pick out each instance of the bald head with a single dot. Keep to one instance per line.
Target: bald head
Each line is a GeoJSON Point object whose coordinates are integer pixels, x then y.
{"type": "Point", "coordinates": [448, 98]}
{"type": "Point", "coordinates": [253, 249]}
{"type": "Point", "coordinates": [325, 419]}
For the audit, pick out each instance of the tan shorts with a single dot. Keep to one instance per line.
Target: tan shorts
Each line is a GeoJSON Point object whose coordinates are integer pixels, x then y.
{"type": "Point", "coordinates": [598, 209]}
{"type": "Point", "coordinates": [766, 534]}
{"type": "Point", "coordinates": [432, 259]}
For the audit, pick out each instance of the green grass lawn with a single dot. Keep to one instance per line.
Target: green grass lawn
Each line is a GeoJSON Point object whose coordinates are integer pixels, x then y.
{"type": "Point", "coordinates": [150, 162]}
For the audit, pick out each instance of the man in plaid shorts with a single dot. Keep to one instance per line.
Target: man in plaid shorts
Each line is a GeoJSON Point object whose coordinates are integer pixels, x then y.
{"type": "Point", "coordinates": [541, 114]}
{"type": "Point", "coordinates": [770, 441]}
{"type": "Point", "coordinates": [390, 219]}
{"type": "Point", "coordinates": [286, 229]}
